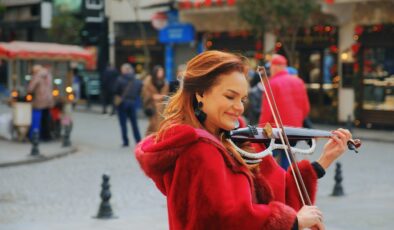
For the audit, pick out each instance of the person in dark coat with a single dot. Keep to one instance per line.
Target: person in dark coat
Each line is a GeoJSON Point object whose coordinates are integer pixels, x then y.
{"type": "Point", "coordinates": [108, 80]}
{"type": "Point", "coordinates": [128, 88]}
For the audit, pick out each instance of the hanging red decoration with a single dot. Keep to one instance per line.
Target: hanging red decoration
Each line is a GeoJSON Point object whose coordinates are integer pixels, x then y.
{"type": "Point", "coordinates": [358, 30]}
{"type": "Point", "coordinates": [334, 49]}
{"type": "Point", "coordinates": [356, 48]}
{"type": "Point", "coordinates": [356, 67]}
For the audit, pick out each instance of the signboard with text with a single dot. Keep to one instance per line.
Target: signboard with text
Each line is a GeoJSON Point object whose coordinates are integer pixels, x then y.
{"type": "Point", "coordinates": [93, 11]}
{"type": "Point", "coordinates": [177, 33]}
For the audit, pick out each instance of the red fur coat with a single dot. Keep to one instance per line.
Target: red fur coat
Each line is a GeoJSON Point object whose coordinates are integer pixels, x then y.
{"type": "Point", "coordinates": [207, 189]}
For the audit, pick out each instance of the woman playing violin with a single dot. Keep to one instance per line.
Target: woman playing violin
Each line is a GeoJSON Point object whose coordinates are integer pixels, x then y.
{"type": "Point", "coordinates": [207, 183]}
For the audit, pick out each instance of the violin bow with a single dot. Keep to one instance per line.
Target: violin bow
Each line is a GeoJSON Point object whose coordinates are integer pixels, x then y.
{"type": "Point", "coordinates": [283, 137]}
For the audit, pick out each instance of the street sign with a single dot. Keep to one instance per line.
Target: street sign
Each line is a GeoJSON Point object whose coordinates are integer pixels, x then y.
{"type": "Point", "coordinates": [177, 33]}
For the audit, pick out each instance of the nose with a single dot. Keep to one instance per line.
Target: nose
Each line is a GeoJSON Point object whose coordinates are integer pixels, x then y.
{"type": "Point", "coordinates": [239, 106]}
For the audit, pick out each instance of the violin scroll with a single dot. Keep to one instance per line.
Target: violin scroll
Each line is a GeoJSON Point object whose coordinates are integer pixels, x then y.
{"type": "Point", "coordinates": [354, 144]}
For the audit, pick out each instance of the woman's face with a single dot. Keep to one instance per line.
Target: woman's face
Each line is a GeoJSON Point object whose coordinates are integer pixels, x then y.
{"type": "Point", "coordinates": [224, 102]}
{"type": "Point", "coordinates": [160, 73]}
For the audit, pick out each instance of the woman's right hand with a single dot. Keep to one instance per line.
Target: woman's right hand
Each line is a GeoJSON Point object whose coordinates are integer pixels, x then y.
{"type": "Point", "coordinates": [310, 217]}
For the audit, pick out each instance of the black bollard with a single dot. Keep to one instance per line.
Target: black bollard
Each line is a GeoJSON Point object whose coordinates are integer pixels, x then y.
{"type": "Point", "coordinates": [35, 140]}
{"type": "Point", "coordinates": [338, 190]}
{"type": "Point", "coordinates": [105, 210]}
{"type": "Point", "coordinates": [66, 136]}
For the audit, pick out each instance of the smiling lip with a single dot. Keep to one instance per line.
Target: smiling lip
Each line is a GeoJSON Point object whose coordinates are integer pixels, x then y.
{"type": "Point", "coordinates": [232, 115]}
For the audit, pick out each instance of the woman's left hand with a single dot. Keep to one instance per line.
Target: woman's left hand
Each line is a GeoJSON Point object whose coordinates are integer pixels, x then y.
{"type": "Point", "coordinates": [335, 147]}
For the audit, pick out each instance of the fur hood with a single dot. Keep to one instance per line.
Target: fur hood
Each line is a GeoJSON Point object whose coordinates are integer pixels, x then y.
{"type": "Point", "coordinates": [157, 158]}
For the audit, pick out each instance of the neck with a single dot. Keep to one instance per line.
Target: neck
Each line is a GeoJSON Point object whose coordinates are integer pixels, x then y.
{"type": "Point", "coordinates": [211, 129]}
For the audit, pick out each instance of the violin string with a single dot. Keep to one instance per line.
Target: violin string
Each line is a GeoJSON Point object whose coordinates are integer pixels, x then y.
{"type": "Point", "coordinates": [280, 133]}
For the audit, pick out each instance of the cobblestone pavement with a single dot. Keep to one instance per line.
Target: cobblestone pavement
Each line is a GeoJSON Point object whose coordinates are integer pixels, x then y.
{"type": "Point", "coordinates": [64, 193]}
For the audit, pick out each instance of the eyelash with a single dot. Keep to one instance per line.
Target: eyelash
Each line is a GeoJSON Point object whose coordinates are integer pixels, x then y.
{"type": "Point", "coordinates": [232, 98]}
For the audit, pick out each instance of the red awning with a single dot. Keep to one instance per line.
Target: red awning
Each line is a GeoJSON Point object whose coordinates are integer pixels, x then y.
{"type": "Point", "coordinates": [44, 51]}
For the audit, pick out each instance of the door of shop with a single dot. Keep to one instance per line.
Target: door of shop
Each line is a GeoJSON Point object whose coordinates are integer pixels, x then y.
{"type": "Point", "coordinates": [317, 67]}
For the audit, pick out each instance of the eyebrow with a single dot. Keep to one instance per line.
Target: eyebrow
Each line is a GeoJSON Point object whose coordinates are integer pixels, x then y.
{"type": "Point", "coordinates": [233, 91]}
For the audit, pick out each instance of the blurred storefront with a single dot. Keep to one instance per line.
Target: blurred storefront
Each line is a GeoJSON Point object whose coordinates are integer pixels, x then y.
{"type": "Point", "coordinates": [216, 31]}
{"type": "Point", "coordinates": [316, 63]}
{"type": "Point", "coordinates": [25, 20]}
{"type": "Point", "coordinates": [346, 59]}
{"type": "Point", "coordinates": [374, 66]}
{"type": "Point", "coordinates": [366, 61]}
{"type": "Point", "coordinates": [130, 45]}
{"type": "Point", "coordinates": [316, 46]}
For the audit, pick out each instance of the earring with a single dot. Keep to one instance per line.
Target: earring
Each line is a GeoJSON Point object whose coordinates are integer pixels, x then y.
{"type": "Point", "coordinates": [201, 116]}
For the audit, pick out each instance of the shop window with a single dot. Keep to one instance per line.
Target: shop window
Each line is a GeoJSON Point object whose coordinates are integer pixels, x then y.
{"type": "Point", "coordinates": [378, 79]}
{"type": "Point", "coordinates": [318, 70]}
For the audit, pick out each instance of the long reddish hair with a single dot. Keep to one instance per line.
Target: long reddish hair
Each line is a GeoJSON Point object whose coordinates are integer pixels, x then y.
{"type": "Point", "coordinates": [201, 74]}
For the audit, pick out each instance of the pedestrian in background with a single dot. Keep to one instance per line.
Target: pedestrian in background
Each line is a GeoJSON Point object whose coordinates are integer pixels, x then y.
{"type": "Point", "coordinates": [128, 90]}
{"type": "Point", "coordinates": [207, 182]}
{"type": "Point", "coordinates": [307, 123]}
{"type": "Point", "coordinates": [291, 98]}
{"type": "Point", "coordinates": [154, 91]}
{"type": "Point", "coordinates": [40, 86]}
{"type": "Point", "coordinates": [174, 84]}
{"type": "Point", "coordinates": [76, 86]}
{"type": "Point", "coordinates": [254, 103]}
{"type": "Point", "coordinates": [108, 80]}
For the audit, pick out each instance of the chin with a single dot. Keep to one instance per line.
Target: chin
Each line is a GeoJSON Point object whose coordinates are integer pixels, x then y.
{"type": "Point", "coordinates": [229, 126]}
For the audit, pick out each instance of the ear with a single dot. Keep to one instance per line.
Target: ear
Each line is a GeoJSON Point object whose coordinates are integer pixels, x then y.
{"type": "Point", "coordinates": [199, 97]}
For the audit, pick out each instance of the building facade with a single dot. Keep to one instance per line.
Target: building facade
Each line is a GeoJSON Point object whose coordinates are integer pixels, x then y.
{"type": "Point", "coordinates": [366, 61]}
{"type": "Point", "coordinates": [346, 63]}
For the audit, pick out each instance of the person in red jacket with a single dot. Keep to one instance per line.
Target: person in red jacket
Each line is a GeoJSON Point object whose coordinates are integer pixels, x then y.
{"type": "Point", "coordinates": [291, 99]}
{"type": "Point", "coordinates": [207, 183]}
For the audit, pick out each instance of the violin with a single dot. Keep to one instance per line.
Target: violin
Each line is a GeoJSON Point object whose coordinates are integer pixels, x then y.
{"type": "Point", "coordinates": [264, 135]}
{"type": "Point", "coordinates": [270, 136]}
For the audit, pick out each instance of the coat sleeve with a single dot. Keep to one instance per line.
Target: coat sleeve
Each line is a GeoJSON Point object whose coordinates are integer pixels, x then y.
{"type": "Point", "coordinates": [205, 194]}
{"type": "Point", "coordinates": [33, 83]}
{"type": "Point", "coordinates": [118, 87]}
{"type": "Point", "coordinates": [147, 101]}
{"type": "Point", "coordinates": [309, 177]}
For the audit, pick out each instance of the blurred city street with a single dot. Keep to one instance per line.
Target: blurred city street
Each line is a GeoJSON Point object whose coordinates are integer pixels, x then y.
{"type": "Point", "coordinates": [63, 193]}
{"type": "Point", "coordinates": [330, 63]}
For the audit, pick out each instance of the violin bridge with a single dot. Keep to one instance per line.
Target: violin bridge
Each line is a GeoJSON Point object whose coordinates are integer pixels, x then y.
{"type": "Point", "coordinates": [267, 130]}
